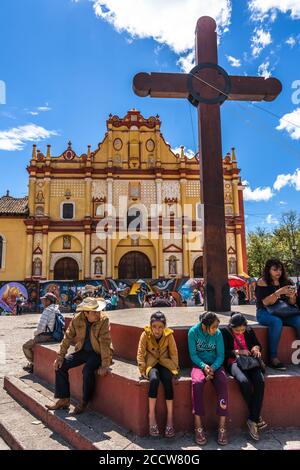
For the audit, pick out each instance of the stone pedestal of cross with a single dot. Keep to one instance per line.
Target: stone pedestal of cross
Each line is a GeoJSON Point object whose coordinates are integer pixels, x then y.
{"type": "Point", "coordinates": [207, 86]}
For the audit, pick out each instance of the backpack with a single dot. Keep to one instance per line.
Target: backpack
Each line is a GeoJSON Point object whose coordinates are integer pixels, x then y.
{"type": "Point", "coordinates": [59, 328]}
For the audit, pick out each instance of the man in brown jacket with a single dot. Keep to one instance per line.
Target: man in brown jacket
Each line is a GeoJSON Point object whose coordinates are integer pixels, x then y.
{"type": "Point", "coordinates": [90, 331]}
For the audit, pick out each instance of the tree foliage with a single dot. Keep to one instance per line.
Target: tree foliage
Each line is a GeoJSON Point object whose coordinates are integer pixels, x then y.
{"type": "Point", "coordinates": [283, 243]}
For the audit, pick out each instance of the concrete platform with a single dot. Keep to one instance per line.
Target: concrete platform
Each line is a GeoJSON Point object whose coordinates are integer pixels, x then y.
{"type": "Point", "coordinates": [127, 326]}
{"type": "Point", "coordinates": [176, 316]}
{"type": "Point", "coordinates": [122, 397]}
{"type": "Point", "coordinates": [14, 331]}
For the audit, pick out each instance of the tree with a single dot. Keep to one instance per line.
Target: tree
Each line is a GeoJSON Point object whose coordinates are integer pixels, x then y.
{"type": "Point", "coordinates": [283, 243]}
{"type": "Point", "coordinates": [287, 238]}
{"type": "Point", "coordinates": [259, 248]}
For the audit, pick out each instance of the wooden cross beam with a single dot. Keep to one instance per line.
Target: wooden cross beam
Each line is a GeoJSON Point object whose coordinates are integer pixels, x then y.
{"type": "Point", "coordinates": [207, 86]}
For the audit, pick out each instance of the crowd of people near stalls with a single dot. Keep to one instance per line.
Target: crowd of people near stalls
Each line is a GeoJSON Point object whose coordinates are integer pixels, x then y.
{"type": "Point", "coordinates": [111, 298]}
{"type": "Point", "coordinates": [160, 299]}
{"type": "Point", "coordinates": [241, 295]}
{"type": "Point", "coordinates": [157, 299]}
{"type": "Point", "coordinates": [215, 352]}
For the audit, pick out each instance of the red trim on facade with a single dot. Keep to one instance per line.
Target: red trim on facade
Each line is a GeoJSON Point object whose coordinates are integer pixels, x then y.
{"type": "Point", "coordinates": [168, 250]}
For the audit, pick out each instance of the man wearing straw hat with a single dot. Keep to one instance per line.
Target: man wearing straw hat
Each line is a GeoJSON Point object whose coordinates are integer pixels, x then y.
{"type": "Point", "coordinates": [90, 331]}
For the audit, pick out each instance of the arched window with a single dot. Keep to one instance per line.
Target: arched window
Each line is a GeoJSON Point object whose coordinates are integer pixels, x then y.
{"type": "Point", "coordinates": [198, 267]}
{"type": "Point", "coordinates": [98, 266]}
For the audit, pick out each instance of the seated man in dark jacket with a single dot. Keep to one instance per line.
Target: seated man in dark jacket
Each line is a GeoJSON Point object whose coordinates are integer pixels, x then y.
{"type": "Point", "coordinates": [240, 340]}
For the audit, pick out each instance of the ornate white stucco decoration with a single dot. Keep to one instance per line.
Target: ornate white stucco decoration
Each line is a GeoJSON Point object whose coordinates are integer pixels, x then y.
{"type": "Point", "coordinates": [120, 188]}
{"type": "Point", "coordinates": [99, 189]}
{"type": "Point", "coordinates": [59, 188]}
{"type": "Point", "coordinates": [38, 240]}
{"type": "Point", "coordinates": [230, 238]}
{"type": "Point", "coordinates": [170, 190]}
{"type": "Point", "coordinates": [193, 189]}
{"type": "Point", "coordinates": [148, 193]}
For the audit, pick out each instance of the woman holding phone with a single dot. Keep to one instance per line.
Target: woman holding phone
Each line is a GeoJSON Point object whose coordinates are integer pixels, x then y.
{"type": "Point", "coordinates": [273, 288]}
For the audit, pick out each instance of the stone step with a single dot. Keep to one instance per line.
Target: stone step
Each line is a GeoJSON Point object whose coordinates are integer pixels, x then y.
{"type": "Point", "coordinates": [89, 431]}
{"type": "Point", "coordinates": [21, 430]}
{"type": "Point", "coordinates": [275, 439]}
{"type": "Point", "coordinates": [124, 399]}
{"type": "Point", "coordinates": [3, 445]}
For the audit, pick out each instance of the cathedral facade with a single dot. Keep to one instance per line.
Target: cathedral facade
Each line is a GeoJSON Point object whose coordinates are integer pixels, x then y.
{"type": "Point", "coordinates": [128, 209]}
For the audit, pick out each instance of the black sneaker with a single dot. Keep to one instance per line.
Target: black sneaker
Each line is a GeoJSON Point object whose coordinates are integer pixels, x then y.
{"type": "Point", "coordinates": [28, 368]}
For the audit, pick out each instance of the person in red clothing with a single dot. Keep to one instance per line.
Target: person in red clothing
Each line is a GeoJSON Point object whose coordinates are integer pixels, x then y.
{"type": "Point", "coordinates": [241, 340]}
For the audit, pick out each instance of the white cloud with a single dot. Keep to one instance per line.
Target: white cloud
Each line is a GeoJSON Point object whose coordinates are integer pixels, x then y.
{"type": "Point", "coordinates": [271, 220]}
{"type": "Point", "coordinates": [233, 61]}
{"type": "Point", "coordinates": [259, 41]}
{"type": "Point", "coordinates": [39, 109]}
{"type": "Point", "coordinates": [257, 194]}
{"type": "Point", "coordinates": [291, 41]}
{"type": "Point", "coordinates": [186, 63]}
{"type": "Point", "coordinates": [291, 123]}
{"type": "Point", "coordinates": [288, 180]}
{"type": "Point", "coordinates": [283, 203]}
{"type": "Point", "coordinates": [44, 109]}
{"type": "Point", "coordinates": [263, 69]}
{"type": "Point", "coordinates": [188, 152]}
{"type": "Point", "coordinates": [262, 9]}
{"type": "Point", "coordinates": [17, 137]}
{"type": "Point", "coordinates": [170, 22]}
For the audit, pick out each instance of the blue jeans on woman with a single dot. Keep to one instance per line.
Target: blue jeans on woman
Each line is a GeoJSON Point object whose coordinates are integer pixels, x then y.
{"type": "Point", "coordinates": [275, 325]}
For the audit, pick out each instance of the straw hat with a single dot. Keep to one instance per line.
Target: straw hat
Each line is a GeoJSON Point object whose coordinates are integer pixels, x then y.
{"type": "Point", "coordinates": [90, 304]}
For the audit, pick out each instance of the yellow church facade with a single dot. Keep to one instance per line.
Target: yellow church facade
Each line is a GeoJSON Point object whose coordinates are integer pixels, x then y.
{"type": "Point", "coordinates": [128, 209]}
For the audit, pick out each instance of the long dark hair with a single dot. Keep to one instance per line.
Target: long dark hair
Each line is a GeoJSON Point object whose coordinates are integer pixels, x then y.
{"type": "Point", "coordinates": [283, 280]}
{"type": "Point", "coordinates": [237, 319]}
{"type": "Point", "coordinates": [208, 319]}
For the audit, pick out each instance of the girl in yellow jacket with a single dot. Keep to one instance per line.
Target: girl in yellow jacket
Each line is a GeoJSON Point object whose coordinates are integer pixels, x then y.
{"type": "Point", "coordinates": [157, 359]}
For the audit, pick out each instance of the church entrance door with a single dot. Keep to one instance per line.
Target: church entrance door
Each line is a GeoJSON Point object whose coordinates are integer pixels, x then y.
{"type": "Point", "coordinates": [66, 269]}
{"type": "Point", "coordinates": [135, 265]}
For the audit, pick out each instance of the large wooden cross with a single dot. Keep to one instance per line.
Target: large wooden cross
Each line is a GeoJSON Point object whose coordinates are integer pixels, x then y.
{"type": "Point", "coordinates": [207, 86]}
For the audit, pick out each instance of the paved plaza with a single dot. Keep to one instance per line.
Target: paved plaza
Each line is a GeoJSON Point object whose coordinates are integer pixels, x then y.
{"type": "Point", "coordinates": [14, 331]}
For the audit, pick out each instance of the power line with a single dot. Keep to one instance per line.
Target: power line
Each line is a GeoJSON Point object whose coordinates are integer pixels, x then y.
{"type": "Point", "coordinates": [192, 124]}
{"type": "Point", "coordinates": [254, 104]}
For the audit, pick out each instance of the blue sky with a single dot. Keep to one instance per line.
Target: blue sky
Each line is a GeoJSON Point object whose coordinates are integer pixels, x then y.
{"type": "Point", "coordinates": [67, 64]}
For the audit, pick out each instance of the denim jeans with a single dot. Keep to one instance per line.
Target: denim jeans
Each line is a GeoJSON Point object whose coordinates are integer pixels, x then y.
{"type": "Point", "coordinates": [275, 325]}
